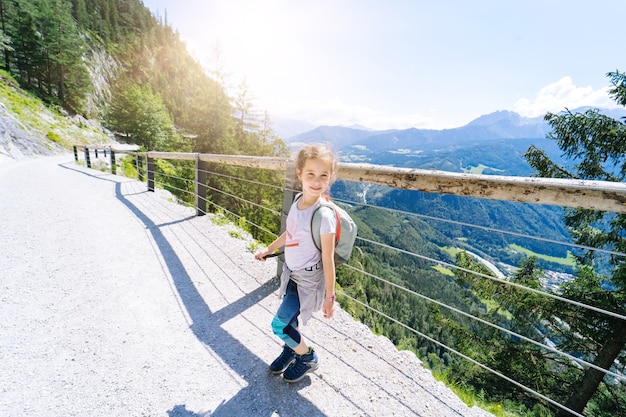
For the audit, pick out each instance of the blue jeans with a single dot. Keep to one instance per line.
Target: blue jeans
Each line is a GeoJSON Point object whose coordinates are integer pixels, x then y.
{"type": "Point", "coordinates": [285, 322]}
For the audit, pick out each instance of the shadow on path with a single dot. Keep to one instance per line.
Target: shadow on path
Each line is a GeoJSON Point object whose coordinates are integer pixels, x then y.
{"type": "Point", "coordinates": [206, 325]}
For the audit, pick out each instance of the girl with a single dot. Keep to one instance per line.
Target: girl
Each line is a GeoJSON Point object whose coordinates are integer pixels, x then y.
{"type": "Point", "coordinates": [308, 278]}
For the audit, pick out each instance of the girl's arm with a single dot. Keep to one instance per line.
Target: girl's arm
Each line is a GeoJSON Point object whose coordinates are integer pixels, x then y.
{"type": "Point", "coordinates": [328, 261]}
{"type": "Point", "coordinates": [278, 243]}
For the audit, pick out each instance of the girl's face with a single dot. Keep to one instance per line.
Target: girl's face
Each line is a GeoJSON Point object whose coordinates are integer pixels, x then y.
{"type": "Point", "coordinates": [315, 176]}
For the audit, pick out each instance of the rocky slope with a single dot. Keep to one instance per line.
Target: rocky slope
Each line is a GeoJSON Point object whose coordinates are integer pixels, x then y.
{"type": "Point", "coordinates": [28, 128]}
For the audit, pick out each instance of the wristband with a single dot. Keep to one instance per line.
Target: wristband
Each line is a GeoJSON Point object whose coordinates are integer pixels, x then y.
{"type": "Point", "coordinates": [330, 298]}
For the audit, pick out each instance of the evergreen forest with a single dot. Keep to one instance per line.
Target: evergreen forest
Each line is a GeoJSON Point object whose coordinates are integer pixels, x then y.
{"type": "Point", "coordinates": [115, 62]}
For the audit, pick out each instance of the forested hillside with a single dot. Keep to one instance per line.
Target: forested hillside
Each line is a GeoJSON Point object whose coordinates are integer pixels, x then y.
{"type": "Point", "coordinates": [114, 61]}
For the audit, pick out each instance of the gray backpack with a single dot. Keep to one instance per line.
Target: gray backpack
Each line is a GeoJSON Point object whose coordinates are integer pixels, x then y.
{"type": "Point", "coordinates": [345, 235]}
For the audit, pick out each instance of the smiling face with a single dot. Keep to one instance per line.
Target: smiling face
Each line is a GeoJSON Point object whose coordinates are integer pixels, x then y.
{"type": "Point", "coordinates": [316, 176]}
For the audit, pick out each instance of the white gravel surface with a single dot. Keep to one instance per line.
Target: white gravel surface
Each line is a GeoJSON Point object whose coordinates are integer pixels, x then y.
{"type": "Point", "coordinates": [118, 302]}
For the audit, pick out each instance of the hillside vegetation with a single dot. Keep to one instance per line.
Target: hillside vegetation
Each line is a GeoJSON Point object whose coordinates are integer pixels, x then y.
{"type": "Point", "coordinates": [115, 62]}
{"type": "Point", "coordinates": [32, 128]}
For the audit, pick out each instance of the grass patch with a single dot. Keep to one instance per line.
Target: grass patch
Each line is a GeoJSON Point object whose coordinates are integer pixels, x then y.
{"type": "Point", "coordinates": [451, 251]}
{"type": "Point", "coordinates": [479, 169]}
{"type": "Point", "coordinates": [235, 234]}
{"type": "Point", "coordinates": [569, 260]}
{"type": "Point", "coordinates": [54, 137]}
{"type": "Point", "coordinates": [470, 397]}
{"type": "Point", "coordinates": [442, 269]}
{"type": "Point", "coordinates": [492, 305]}
{"type": "Point", "coordinates": [128, 166]}
{"type": "Point", "coordinates": [254, 246]}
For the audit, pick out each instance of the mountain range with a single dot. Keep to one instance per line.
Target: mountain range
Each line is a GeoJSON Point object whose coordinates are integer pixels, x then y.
{"type": "Point", "coordinates": [500, 125]}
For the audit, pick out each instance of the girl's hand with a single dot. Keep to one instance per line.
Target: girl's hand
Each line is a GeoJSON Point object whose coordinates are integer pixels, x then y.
{"type": "Point", "coordinates": [278, 243]}
{"type": "Point", "coordinates": [260, 256]}
{"type": "Point", "coordinates": [328, 307]}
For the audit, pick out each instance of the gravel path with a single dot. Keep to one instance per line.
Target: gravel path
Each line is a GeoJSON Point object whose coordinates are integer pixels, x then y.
{"type": "Point", "coordinates": [118, 302]}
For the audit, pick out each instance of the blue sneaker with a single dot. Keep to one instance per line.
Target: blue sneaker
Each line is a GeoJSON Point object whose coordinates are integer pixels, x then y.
{"type": "Point", "coordinates": [303, 365]}
{"type": "Point", "coordinates": [282, 362]}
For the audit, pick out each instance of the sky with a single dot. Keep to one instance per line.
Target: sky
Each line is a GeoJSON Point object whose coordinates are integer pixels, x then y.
{"type": "Point", "coordinates": [395, 64]}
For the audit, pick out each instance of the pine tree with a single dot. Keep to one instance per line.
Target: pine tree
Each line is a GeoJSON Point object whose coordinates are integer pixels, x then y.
{"type": "Point", "coordinates": [596, 147]}
{"type": "Point", "coordinates": [140, 117]}
{"type": "Point", "coordinates": [5, 39]}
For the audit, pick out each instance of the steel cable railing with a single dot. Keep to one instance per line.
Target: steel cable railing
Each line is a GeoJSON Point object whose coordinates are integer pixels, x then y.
{"type": "Point", "coordinates": [467, 358]}
{"type": "Point", "coordinates": [453, 309]}
{"type": "Point", "coordinates": [543, 346]}
{"type": "Point", "coordinates": [244, 200]}
{"type": "Point", "coordinates": [240, 217]}
{"type": "Point", "coordinates": [478, 319]}
{"type": "Point", "coordinates": [458, 311]}
{"type": "Point", "coordinates": [263, 184]}
{"type": "Point", "coordinates": [489, 229]}
{"type": "Point", "coordinates": [501, 281]}
{"type": "Point", "coordinates": [171, 187]}
{"type": "Point", "coordinates": [248, 181]}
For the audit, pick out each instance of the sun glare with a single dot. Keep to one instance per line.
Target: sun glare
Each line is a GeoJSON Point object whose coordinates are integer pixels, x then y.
{"type": "Point", "coordinates": [256, 45]}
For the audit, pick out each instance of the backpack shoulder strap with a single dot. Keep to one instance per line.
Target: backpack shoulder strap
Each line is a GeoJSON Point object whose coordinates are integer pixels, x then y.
{"type": "Point", "coordinates": [338, 218]}
{"type": "Point", "coordinates": [316, 222]}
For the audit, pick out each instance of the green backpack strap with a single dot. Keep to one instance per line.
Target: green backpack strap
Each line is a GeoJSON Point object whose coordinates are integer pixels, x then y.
{"type": "Point", "coordinates": [316, 224]}
{"type": "Point", "coordinates": [344, 241]}
{"type": "Point", "coordinates": [316, 221]}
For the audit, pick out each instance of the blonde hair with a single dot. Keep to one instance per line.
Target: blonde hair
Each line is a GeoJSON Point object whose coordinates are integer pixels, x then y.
{"type": "Point", "coordinates": [317, 151]}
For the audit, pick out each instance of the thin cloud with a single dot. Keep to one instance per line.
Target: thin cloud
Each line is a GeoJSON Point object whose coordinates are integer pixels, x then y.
{"type": "Point", "coordinates": [338, 113]}
{"type": "Point", "coordinates": [563, 94]}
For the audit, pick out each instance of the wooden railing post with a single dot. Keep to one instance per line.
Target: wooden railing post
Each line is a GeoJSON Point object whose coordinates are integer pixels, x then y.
{"type": "Point", "coordinates": [87, 159]}
{"type": "Point", "coordinates": [113, 166]}
{"type": "Point", "coordinates": [289, 193]}
{"type": "Point", "coordinates": [138, 165]}
{"type": "Point", "coordinates": [150, 172]}
{"type": "Point", "coordinates": [201, 188]}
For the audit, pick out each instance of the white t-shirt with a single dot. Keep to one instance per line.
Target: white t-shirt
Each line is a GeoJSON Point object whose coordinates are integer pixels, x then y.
{"type": "Point", "coordinates": [300, 250]}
